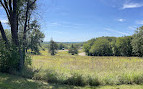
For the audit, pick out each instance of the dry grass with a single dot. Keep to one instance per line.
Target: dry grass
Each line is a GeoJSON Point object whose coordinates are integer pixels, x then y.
{"type": "Point", "coordinates": [102, 70]}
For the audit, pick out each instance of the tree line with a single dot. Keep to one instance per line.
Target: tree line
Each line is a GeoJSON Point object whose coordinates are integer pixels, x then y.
{"type": "Point", "coordinates": [116, 46]}
{"type": "Point", "coordinates": [54, 46]}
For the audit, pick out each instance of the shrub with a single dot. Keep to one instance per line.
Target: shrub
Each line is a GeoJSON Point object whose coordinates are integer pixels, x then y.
{"type": "Point", "coordinates": [76, 80]}
{"type": "Point", "coordinates": [9, 59]}
{"type": "Point", "coordinates": [93, 81]}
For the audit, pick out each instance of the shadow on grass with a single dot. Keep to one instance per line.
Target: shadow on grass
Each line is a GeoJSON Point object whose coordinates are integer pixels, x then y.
{"type": "Point", "coordinates": [14, 82]}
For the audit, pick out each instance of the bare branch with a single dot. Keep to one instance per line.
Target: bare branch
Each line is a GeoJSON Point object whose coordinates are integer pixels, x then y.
{"type": "Point", "coordinates": [10, 5]}
{"type": "Point", "coordinates": [5, 3]}
{"type": "Point", "coordinates": [8, 15]}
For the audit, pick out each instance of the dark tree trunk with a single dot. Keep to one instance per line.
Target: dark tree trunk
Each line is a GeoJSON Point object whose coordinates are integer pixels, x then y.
{"type": "Point", "coordinates": [14, 30]}
{"type": "Point", "coordinates": [3, 34]}
{"type": "Point", "coordinates": [14, 24]}
{"type": "Point", "coordinates": [12, 14]}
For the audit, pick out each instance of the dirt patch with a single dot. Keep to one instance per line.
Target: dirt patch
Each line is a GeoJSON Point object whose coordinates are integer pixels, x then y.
{"type": "Point", "coordinates": [82, 54]}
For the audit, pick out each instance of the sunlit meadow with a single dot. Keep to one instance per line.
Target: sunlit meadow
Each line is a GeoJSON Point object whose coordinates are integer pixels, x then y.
{"type": "Point", "coordinates": [85, 70]}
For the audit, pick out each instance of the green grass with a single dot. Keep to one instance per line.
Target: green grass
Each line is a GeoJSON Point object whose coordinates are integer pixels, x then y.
{"type": "Point", "coordinates": [83, 70]}
{"type": "Point", "coordinates": [15, 82]}
{"type": "Point", "coordinates": [64, 71]}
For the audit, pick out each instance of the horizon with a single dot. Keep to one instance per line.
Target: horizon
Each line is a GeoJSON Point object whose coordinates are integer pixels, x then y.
{"type": "Point", "coordinates": [80, 21]}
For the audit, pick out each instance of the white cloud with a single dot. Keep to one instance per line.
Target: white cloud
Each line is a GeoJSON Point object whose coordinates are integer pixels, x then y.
{"type": "Point", "coordinates": [132, 5]}
{"type": "Point", "coordinates": [64, 24]}
{"type": "Point", "coordinates": [132, 27]}
{"type": "Point", "coordinates": [55, 24]}
{"type": "Point", "coordinates": [111, 30]}
{"type": "Point", "coordinates": [59, 32]}
{"type": "Point", "coordinates": [121, 20]}
{"type": "Point", "coordinates": [4, 21]}
{"type": "Point", "coordinates": [139, 22]}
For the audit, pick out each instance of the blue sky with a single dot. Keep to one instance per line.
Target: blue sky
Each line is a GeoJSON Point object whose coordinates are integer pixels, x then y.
{"type": "Point", "coordinates": [81, 20]}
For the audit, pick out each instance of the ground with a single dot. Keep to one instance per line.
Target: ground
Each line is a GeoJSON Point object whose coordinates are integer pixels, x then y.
{"type": "Point", "coordinates": [110, 71]}
{"type": "Point", "coordinates": [15, 82]}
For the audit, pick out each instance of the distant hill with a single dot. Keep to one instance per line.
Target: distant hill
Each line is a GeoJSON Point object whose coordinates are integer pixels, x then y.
{"type": "Point", "coordinates": [64, 42]}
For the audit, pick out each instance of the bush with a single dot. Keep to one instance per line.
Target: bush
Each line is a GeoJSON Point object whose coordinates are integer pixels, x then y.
{"type": "Point", "coordinates": [76, 80]}
{"type": "Point", "coordinates": [93, 81]}
{"type": "Point", "coordinates": [9, 59]}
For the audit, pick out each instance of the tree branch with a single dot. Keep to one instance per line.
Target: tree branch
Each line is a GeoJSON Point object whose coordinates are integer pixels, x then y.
{"type": "Point", "coordinates": [10, 5]}
{"type": "Point", "coordinates": [8, 15]}
{"type": "Point", "coordinates": [3, 34]}
{"type": "Point", "coordinates": [32, 3]}
{"type": "Point", "coordinates": [5, 3]}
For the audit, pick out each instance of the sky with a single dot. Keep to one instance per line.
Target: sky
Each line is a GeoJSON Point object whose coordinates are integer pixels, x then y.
{"type": "Point", "coordinates": [81, 20]}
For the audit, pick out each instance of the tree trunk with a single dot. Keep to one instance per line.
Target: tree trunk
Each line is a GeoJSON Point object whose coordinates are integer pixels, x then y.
{"type": "Point", "coordinates": [3, 34]}
{"type": "Point", "coordinates": [14, 24]}
{"type": "Point", "coordinates": [14, 31]}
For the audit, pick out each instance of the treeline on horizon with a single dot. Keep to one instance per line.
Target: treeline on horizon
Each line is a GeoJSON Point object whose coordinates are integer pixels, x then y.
{"type": "Point", "coordinates": [116, 46]}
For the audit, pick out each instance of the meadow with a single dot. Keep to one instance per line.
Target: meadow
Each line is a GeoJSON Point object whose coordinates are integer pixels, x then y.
{"type": "Point", "coordinates": [64, 68]}
{"type": "Point", "coordinates": [65, 71]}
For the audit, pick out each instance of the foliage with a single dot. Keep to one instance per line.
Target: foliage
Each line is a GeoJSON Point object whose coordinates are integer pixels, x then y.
{"type": "Point", "coordinates": [101, 47]}
{"type": "Point", "coordinates": [123, 46]}
{"type": "Point", "coordinates": [8, 58]}
{"type": "Point", "coordinates": [35, 38]}
{"type": "Point", "coordinates": [87, 46]}
{"type": "Point", "coordinates": [73, 50]}
{"type": "Point", "coordinates": [76, 80]}
{"type": "Point", "coordinates": [53, 47]}
{"type": "Point", "coordinates": [18, 13]}
{"type": "Point", "coordinates": [109, 46]}
{"type": "Point", "coordinates": [61, 46]}
{"type": "Point", "coordinates": [137, 42]}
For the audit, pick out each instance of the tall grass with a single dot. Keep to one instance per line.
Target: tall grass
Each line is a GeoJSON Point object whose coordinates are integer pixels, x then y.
{"type": "Point", "coordinates": [83, 70]}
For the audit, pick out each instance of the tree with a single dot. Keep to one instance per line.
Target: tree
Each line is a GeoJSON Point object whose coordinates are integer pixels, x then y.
{"type": "Point", "coordinates": [73, 50]}
{"type": "Point", "coordinates": [137, 42]}
{"type": "Point", "coordinates": [123, 46]}
{"type": "Point", "coordinates": [61, 46]}
{"type": "Point", "coordinates": [87, 46]}
{"type": "Point", "coordinates": [35, 38]}
{"type": "Point", "coordinates": [92, 47]}
{"type": "Point", "coordinates": [53, 47]}
{"type": "Point", "coordinates": [15, 9]}
{"type": "Point", "coordinates": [101, 47]}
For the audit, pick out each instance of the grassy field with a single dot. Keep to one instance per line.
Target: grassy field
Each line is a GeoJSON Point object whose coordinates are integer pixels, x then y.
{"type": "Point", "coordinates": [15, 82]}
{"type": "Point", "coordinates": [64, 71]}
{"type": "Point", "coordinates": [83, 70]}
